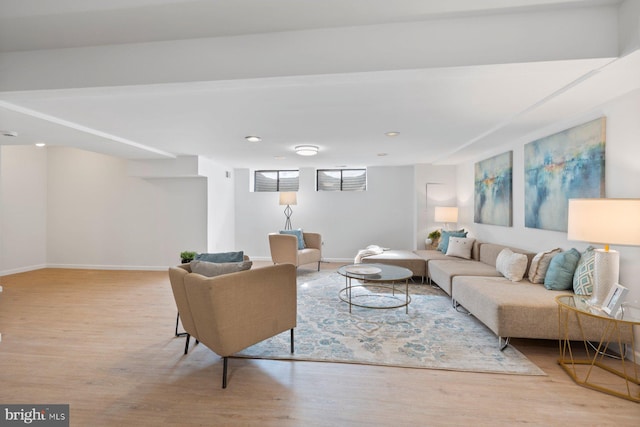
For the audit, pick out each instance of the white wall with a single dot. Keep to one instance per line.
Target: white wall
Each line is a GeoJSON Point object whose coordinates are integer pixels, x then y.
{"type": "Point", "coordinates": [622, 180]}
{"type": "Point", "coordinates": [23, 201]}
{"type": "Point", "coordinates": [64, 207]}
{"type": "Point", "coordinates": [2, 204]}
{"type": "Point", "coordinates": [622, 175]}
{"type": "Point", "coordinates": [435, 186]}
{"type": "Point", "coordinates": [220, 206]}
{"type": "Point", "coordinates": [348, 221]}
{"type": "Point", "coordinates": [100, 217]}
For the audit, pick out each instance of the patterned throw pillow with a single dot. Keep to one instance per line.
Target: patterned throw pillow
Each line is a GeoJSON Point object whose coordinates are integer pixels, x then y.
{"type": "Point", "coordinates": [583, 277]}
{"type": "Point", "coordinates": [540, 264]}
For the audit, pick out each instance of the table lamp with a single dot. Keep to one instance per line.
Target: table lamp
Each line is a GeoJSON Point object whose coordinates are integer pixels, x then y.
{"type": "Point", "coordinates": [288, 198]}
{"type": "Point", "coordinates": [446, 215]}
{"type": "Point", "coordinates": [604, 221]}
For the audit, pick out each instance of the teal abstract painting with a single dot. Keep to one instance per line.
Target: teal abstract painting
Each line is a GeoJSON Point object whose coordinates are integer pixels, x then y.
{"type": "Point", "coordinates": [563, 166]}
{"type": "Point", "coordinates": [493, 190]}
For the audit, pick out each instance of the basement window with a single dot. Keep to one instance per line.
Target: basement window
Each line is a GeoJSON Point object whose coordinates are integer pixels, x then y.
{"type": "Point", "coordinates": [341, 180]}
{"type": "Point", "coordinates": [276, 180]}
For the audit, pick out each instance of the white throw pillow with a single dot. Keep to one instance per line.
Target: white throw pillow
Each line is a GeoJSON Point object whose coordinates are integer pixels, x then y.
{"type": "Point", "coordinates": [540, 265]}
{"type": "Point", "coordinates": [460, 247]}
{"type": "Point", "coordinates": [511, 265]}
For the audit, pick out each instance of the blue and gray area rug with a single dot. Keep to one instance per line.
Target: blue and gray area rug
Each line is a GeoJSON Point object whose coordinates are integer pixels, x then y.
{"type": "Point", "coordinates": [432, 335]}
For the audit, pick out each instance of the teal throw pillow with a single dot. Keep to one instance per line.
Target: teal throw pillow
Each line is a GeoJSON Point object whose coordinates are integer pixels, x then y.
{"type": "Point", "coordinates": [221, 257]}
{"type": "Point", "coordinates": [561, 269]}
{"type": "Point", "coordinates": [298, 234]}
{"type": "Point", "coordinates": [583, 277]}
{"type": "Point", "coordinates": [443, 246]}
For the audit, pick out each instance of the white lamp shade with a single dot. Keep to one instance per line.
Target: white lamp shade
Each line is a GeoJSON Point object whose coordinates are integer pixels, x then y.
{"type": "Point", "coordinates": [288, 198]}
{"type": "Point", "coordinates": [446, 214]}
{"type": "Point", "coordinates": [604, 221]}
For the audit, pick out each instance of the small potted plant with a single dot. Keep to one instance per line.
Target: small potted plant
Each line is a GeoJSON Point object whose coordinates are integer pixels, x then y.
{"type": "Point", "coordinates": [187, 256]}
{"type": "Point", "coordinates": [432, 238]}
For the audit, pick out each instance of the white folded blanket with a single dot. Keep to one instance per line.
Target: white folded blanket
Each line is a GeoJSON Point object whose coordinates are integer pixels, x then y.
{"type": "Point", "coordinates": [368, 251]}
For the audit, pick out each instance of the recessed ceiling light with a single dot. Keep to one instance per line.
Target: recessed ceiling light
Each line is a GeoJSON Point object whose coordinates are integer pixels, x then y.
{"type": "Point", "coordinates": [306, 150]}
{"type": "Point", "coordinates": [9, 133]}
{"type": "Point", "coordinates": [251, 138]}
{"type": "Point", "coordinates": [392, 133]}
{"type": "Point", "coordinates": [40, 144]}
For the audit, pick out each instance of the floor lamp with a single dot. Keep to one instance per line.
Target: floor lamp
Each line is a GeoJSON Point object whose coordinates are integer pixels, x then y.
{"type": "Point", "coordinates": [604, 221]}
{"type": "Point", "coordinates": [446, 215]}
{"type": "Point", "coordinates": [288, 198]}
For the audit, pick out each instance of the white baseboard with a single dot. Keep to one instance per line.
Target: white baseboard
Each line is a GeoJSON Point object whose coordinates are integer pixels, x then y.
{"type": "Point", "coordinates": [85, 267]}
{"type": "Point", "coordinates": [130, 267]}
{"type": "Point", "coordinates": [110, 267]}
{"type": "Point", "coordinates": [338, 260]}
{"type": "Point", "coordinates": [259, 258]}
{"type": "Point", "coordinates": [22, 269]}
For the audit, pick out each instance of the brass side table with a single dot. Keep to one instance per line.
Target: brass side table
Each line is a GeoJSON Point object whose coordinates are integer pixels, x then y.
{"type": "Point", "coordinates": [583, 365]}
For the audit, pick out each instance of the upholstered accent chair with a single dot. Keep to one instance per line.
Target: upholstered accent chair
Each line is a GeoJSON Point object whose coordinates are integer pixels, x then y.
{"type": "Point", "coordinates": [187, 267]}
{"type": "Point", "coordinates": [231, 312]}
{"type": "Point", "coordinates": [285, 249]}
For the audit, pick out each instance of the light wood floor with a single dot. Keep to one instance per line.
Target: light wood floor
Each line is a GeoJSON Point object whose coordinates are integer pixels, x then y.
{"type": "Point", "coordinates": [102, 341]}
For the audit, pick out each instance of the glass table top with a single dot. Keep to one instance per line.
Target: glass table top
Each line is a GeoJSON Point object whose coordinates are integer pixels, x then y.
{"type": "Point", "coordinates": [630, 311]}
{"type": "Point", "coordinates": [375, 272]}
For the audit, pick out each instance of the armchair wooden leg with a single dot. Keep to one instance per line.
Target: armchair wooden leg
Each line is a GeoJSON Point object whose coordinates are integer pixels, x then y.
{"type": "Point", "coordinates": [186, 344]}
{"type": "Point", "coordinates": [291, 340]}
{"type": "Point", "coordinates": [318, 265]}
{"type": "Point", "coordinates": [224, 372]}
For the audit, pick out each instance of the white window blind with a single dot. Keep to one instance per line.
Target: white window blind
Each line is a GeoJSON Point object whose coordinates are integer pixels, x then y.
{"type": "Point", "coordinates": [341, 179]}
{"type": "Point", "coordinates": [276, 180]}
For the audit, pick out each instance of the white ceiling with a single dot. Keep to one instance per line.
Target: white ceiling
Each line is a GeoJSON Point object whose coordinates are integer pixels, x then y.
{"type": "Point", "coordinates": [334, 73]}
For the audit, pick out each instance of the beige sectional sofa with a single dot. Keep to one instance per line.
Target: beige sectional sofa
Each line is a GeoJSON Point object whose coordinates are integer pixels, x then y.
{"type": "Point", "coordinates": [510, 309]}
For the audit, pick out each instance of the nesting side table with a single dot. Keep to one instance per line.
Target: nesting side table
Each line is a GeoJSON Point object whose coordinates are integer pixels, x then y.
{"type": "Point", "coordinates": [586, 365]}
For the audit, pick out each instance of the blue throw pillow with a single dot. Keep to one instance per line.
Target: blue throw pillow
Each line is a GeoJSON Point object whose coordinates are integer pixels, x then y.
{"type": "Point", "coordinates": [561, 269]}
{"type": "Point", "coordinates": [444, 238]}
{"type": "Point", "coordinates": [221, 257]}
{"type": "Point", "coordinates": [298, 234]}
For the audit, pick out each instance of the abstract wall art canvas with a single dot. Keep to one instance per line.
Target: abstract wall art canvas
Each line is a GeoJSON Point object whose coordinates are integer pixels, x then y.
{"type": "Point", "coordinates": [493, 190]}
{"type": "Point", "coordinates": [563, 166]}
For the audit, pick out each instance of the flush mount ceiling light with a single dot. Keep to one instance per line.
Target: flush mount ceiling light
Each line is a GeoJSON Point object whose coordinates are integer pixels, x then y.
{"type": "Point", "coordinates": [252, 138]}
{"type": "Point", "coordinates": [306, 150]}
{"type": "Point", "coordinates": [394, 133]}
{"type": "Point", "coordinates": [40, 144]}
